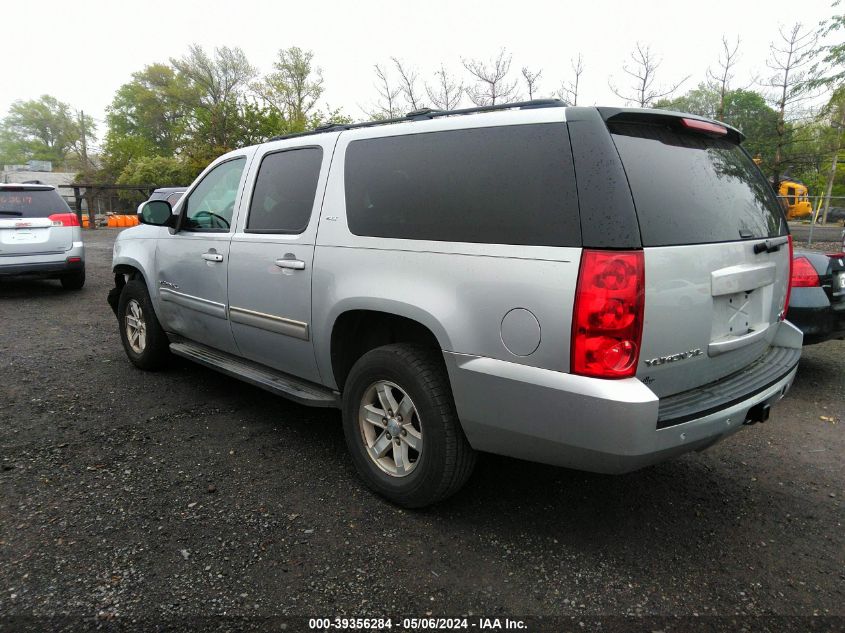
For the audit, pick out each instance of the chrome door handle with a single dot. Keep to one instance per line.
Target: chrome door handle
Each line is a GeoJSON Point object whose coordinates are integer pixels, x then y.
{"type": "Point", "coordinates": [292, 264]}
{"type": "Point", "coordinates": [212, 257]}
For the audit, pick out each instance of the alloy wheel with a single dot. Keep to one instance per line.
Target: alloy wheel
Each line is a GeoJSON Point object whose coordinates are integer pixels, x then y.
{"type": "Point", "coordinates": [136, 326]}
{"type": "Point", "coordinates": [390, 428]}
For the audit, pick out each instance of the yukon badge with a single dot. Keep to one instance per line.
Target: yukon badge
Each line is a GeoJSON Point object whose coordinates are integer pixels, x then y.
{"type": "Point", "coordinates": [672, 358]}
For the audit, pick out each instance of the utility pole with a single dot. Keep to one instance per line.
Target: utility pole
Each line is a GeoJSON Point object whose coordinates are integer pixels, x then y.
{"type": "Point", "coordinates": [84, 133]}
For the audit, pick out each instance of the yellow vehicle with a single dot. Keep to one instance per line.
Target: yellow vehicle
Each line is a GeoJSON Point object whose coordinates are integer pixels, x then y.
{"type": "Point", "coordinates": [794, 196]}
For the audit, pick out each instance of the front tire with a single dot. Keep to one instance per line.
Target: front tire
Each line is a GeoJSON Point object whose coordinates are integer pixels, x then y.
{"type": "Point", "coordinates": [144, 341]}
{"type": "Point", "coordinates": [401, 426]}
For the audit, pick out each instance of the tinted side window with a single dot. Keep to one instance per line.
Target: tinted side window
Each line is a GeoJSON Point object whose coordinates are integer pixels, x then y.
{"type": "Point", "coordinates": [31, 203]}
{"type": "Point", "coordinates": [212, 202]}
{"type": "Point", "coordinates": [500, 185]}
{"type": "Point", "coordinates": [692, 189]}
{"type": "Point", "coordinates": [284, 191]}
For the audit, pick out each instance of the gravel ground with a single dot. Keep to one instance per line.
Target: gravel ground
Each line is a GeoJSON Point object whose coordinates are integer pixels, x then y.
{"type": "Point", "coordinates": [132, 497]}
{"type": "Point", "coordinates": [825, 247]}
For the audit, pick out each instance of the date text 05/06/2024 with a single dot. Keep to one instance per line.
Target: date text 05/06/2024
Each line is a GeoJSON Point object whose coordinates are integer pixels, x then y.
{"type": "Point", "coordinates": [416, 624]}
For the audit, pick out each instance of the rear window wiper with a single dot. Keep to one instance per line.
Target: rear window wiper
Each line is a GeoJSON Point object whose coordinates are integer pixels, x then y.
{"type": "Point", "coordinates": [15, 213]}
{"type": "Point", "coordinates": [770, 246]}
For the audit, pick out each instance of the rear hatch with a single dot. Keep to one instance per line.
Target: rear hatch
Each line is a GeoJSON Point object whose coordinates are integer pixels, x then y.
{"type": "Point", "coordinates": [715, 244]}
{"type": "Point", "coordinates": [26, 226]}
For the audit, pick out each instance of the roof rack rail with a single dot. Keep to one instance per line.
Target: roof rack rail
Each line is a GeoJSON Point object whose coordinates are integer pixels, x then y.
{"type": "Point", "coordinates": [426, 113]}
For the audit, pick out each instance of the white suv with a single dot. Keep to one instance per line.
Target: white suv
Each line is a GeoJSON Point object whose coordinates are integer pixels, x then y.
{"type": "Point", "coordinates": [40, 235]}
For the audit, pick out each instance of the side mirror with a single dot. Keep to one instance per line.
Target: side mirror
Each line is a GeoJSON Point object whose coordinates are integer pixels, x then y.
{"type": "Point", "coordinates": [157, 213]}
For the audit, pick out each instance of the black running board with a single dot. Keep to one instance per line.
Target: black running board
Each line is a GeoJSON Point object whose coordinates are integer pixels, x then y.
{"type": "Point", "coordinates": [261, 376]}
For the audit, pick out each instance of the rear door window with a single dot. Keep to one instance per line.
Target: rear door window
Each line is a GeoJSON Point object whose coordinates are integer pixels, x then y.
{"type": "Point", "coordinates": [498, 185]}
{"type": "Point", "coordinates": [31, 203]}
{"type": "Point", "coordinates": [693, 189]}
{"type": "Point", "coordinates": [284, 191]}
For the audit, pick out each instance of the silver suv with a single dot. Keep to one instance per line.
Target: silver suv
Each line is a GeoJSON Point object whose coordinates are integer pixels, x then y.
{"type": "Point", "coordinates": [40, 235]}
{"type": "Point", "coordinates": [596, 288]}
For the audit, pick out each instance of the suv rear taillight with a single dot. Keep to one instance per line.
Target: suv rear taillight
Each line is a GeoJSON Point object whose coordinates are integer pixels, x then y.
{"type": "Point", "coordinates": [64, 219]}
{"type": "Point", "coordinates": [789, 285]}
{"type": "Point", "coordinates": [803, 274]}
{"type": "Point", "coordinates": [607, 323]}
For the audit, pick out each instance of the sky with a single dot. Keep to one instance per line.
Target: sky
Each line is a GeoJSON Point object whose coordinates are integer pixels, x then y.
{"type": "Point", "coordinates": [81, 52]}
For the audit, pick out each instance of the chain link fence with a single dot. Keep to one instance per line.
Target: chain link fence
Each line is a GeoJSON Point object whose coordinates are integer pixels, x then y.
{"type": "Point", "coordinates": [807, 215]}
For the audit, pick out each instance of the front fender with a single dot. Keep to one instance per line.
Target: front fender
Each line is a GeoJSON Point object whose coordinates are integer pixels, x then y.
{"type": "Point", "coordinates": [137, 254]}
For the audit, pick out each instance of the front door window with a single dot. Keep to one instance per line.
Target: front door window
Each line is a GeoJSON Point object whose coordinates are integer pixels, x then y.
{"type": "Point", "coordinates": [211, 204]}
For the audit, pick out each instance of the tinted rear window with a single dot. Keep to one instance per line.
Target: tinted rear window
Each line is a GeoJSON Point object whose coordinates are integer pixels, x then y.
{"type": "Point", "coordinates": [497, 185]}
{"type": "Point", "coordinates": [28, 203]}
{"type": "Point", "coordinates": [692, 189]}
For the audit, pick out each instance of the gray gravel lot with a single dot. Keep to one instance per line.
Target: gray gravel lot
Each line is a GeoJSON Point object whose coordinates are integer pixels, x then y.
{"type": "Point", "coordinates": [170, 495]}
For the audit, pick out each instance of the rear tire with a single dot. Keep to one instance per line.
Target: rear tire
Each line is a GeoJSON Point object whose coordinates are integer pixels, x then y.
{"type": "Point", "coordinates": [74, 280]}
{"type": "Point", "coordinates": [144, 341]}
{"type": "Point", "coordinates": [413, 381]}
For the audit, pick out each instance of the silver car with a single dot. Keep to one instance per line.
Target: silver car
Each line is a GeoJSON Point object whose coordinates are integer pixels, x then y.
{"type": "Point", "coordinates": [40, 235]}
{"type": "Point", "coordinates": [596, 288]}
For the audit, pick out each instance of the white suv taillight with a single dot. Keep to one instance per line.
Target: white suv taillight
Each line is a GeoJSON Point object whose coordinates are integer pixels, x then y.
{"type": "Point", "coordinates": [64, 219]}
{"type": "Point", "coordinates": [607, 323]}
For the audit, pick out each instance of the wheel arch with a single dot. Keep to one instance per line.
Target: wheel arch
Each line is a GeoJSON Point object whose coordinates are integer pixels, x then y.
{"type": "Point", "coordinates": [357, 331]}
{"type": "Point", "coordinates": [126, 268]}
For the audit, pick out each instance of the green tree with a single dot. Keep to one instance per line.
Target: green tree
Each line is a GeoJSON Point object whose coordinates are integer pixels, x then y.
{"type": "Point", "coordinates": [832, 54]}
{"type": "Point", "coordinates": [45, 129]}
{"type": "Point", "coordinates": [703, 101]}
{"type": "Point", "coordinates": [160, 171]}
{"type": "Point", "coordinates": [149, 116]}
{"type": "Point", "coordinates": [748, 111]}
{"type": "Point", "coordinates": [201, 106]}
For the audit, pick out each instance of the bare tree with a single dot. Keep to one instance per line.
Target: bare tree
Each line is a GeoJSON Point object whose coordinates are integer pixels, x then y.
{"type": "Point", "coordinates": [568, 92]}
{"type": "Point", "coordinates": [447, 92]}
{"type": "Point", "coordinates": [719, 80]}
{"type": "Point", "coordinates": [218, 80]}
{"type": "Point", "coordinates": [531, 80]}
{"type": "Point", "coordinates": [790, 61]}
{"type": "Point", "coordinates": [491, 80]}
{"type": "Point", "coordinates": [218, 84]}
{"type": "Point", "coordinates": [387, 107]}
{"type": "Point", "coordinates": [408, 85]}
{"type": "Point", "coordinates": [643, 71]}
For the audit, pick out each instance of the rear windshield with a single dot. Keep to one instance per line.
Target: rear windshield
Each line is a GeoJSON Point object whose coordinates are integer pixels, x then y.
{"type": "Point", "coordinates": [29, 203]}
{"type": "Point", "coordinates": [692, 189]}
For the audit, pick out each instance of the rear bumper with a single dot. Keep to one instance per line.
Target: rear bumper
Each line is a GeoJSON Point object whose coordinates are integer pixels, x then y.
{"type": "Point", "coordinates": [44, 265]}
{"type": "Point", "coordinates": [607, 426]}
{"type": "Point", "coordinates": [819, 320]}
